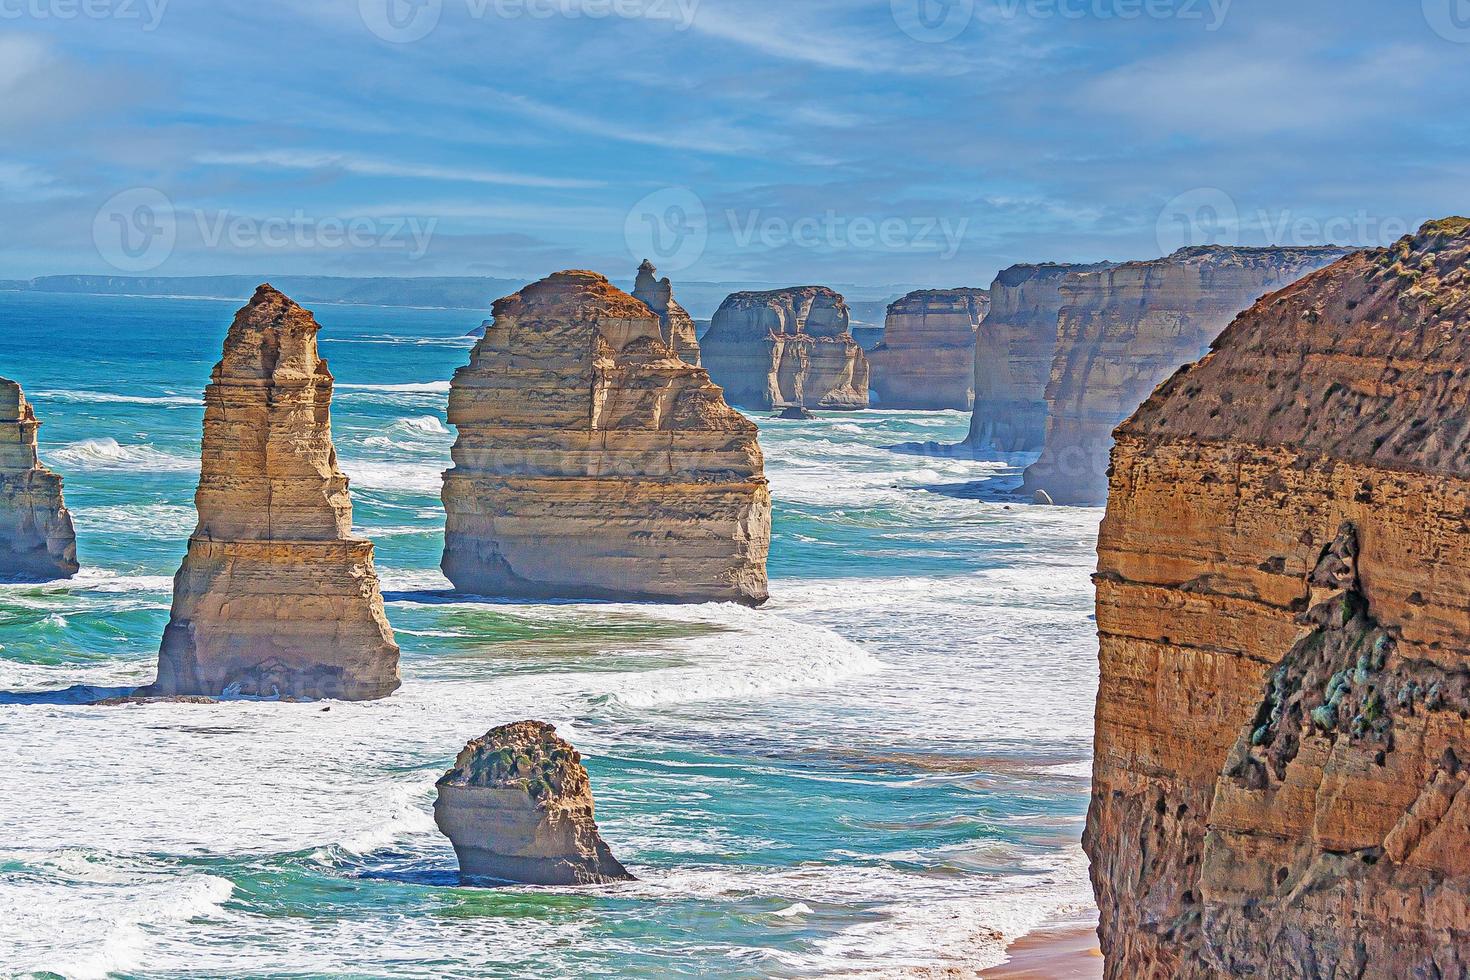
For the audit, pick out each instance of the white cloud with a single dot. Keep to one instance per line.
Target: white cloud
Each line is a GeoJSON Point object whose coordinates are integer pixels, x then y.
{"type": "Point", "coordinates": [368, 167]}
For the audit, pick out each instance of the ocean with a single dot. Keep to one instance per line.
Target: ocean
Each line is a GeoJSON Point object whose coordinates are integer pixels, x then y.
{"type": "Point", "coordinates": [882, 771]}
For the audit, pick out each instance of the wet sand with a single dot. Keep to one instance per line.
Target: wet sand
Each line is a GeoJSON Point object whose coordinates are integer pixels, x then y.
{"type": "Point", "coordinates": [1064, 950]}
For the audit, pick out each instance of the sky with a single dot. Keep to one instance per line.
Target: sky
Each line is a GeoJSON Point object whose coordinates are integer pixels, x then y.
{"type": "Point", "coordinates": [916, 142]}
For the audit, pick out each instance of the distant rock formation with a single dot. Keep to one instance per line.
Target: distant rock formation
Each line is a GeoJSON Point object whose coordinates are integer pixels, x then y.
{"type": "Point", "coordinates": [787, 347]}
{"type": "Point", "coordinates": [927, 358]}
{"type": "Point", "coordinates": [1282, 759]}
{"type": "Point", "coordinates": [517, 806]}
{"type": "Point", "coordinates": [593, 463]}
{"type": "Point", "coordinates": [276, 597]}
{"type": "Point", "coordinates": [675, 323]}
{"type": "Point", "coordinates": [1124, 329]}
{"type": "Point", "coordinates": [37, 540]}
{"type": "Point", "coordinates": [1014, 350]}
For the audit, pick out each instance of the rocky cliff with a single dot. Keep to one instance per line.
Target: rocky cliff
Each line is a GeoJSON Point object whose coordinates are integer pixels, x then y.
{"type": "Point", "coordinates": [1013, 354]}
{"type": "Point", "coordinates": [787, 347]}
{"type": "Point", "coordinates": [276, 597]}
{"type": "Point", "coordinates": [1123, 329]}
{"type": "Point", "coordinates": [593, 463]}
{"type": "Point", "coordinates": [927, 358]}
{"type": "Point", "coordinates": [675, 323]}
{"type": "Point", "coordinates": [37, 540]}
{"type": "Point", "coordinates": [517, 806]}
{"type": "Point", "coordinates": [1282, 738]}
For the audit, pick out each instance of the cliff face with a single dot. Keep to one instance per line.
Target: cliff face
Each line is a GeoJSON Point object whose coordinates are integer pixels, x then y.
{"type": "Point", "coordinates": [1013, 354]}
{"type": "Point", "coordinates": [1282, 743]}
{"type": "Point", "coordinates": [518, 807]}
{"type": "Point", "coordinates": [927, 358]}
{"type": "Point", "coordinates": [789, 347]}
{"type": "Point", "coordinates": [675, 323]}
{"type": "Point", "coordinates": [593, 463]}
{"type": "Point", "coordinates": [275, 598]}
{"type": "Point", "coordinates": [1124, 329]}
{"type": "Point", "coordinates": [37, 540]}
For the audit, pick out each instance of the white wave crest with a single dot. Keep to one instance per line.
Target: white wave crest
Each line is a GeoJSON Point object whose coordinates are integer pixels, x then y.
{"type": "Point", "coordinates": [109, 454]}
{"type": "Point", "coordinates": [109, 398]}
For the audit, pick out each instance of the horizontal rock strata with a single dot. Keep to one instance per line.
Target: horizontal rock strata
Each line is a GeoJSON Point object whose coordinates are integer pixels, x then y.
{"type": "Point", "coordinates": [37, 540]}
{"type": "Point", "coordinates": [1282, 734]}
{"type": "Point", "coordinates": [927, 358]}
{"type": "Point", "coordinates": [276, 597]}
{"type": "Point", "coordinates": [592, 462]}
{"type": "Point", "coordinates": [675, 323]}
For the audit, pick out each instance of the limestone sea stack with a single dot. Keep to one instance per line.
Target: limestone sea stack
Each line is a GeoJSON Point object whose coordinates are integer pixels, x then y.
{"type": "Point", "coordinates": [276, 597]}
{"type": "Point", "coordinates": [1013, 353]}
{"type": "Point", "coordinates": [927, 358]}
{"type": "Point", "coordinates": [517, 806]}
{"type": "Point", "coordinates": [593, 463]}
{"type": "Point", "coordinates": [37, 540]}
{"type": "Point", "coordinates": [787, 347]}
{"type": "Point", "coordinates": [1124, 329]}
{"type": "Point", "coordinates": [675, 323]}
{"type": "Point", "coordinates": [1282, 746]}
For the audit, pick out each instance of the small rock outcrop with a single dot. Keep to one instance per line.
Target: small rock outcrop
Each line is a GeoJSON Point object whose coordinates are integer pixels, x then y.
{"type": "Point", "coordinates": [517, 806]}
{"type": "Point", "coordinates": [37, 540]}
{"type": "Point", "coordinates": [675, 323]}
{"type": "Point", "coordinates": [927, 358]}
{"type": "Point", "coordinates": [787, 347]}
{"type": "Point", "coordinates": [593, 463]}
{"type": "Point", "coordinates": [1124, 329]}
{"type": "Point", "coordinates": [1282, 759]}
{"type": "Point", "coordinates": [276, 597]}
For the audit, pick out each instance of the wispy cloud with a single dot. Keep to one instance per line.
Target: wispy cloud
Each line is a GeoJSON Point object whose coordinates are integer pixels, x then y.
{"type": "Point", "coordinates": [368, 167]}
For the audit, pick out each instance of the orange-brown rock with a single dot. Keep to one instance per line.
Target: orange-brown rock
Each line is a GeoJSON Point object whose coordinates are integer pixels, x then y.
{"type": "Point", "coordinates": [787, 347]}
{"type": "Point", "coordinates": [517, 806]}
{"type": "Point", "coordinates": [37, 540]}
{"type": "Point", "coordinates": [927, 358]}
{"type": "Point", "coordinates": [675, 323]}
{"type": "Point", "coordinates": [276, 597]}
{"type": "Point", "coordinates": [1123, 329]}
{"type": "Point", "coordinates": [594, 463]}
{"type": "Point", "coordinates": [1282, 733]}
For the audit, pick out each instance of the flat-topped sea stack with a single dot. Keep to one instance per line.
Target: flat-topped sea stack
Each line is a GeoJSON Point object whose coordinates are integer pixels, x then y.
{"type": "Point", "coordinates": [927, 358]}
{"type": "Point", "coordinates": [594, 463]}
{"type": "Point", "coordinates": [787, 347]}
{"type": "Point", "coordinates": [37, 540]}
{"type": "Point", "coordinates": [675, 323]}
{"type": "Point", "coordinates": [517, 806]}
{"type": "Point", "coordinates": [276, 597]}
{"type": "Point", "coordinates": [1014, 349]}
{"type": "Point", "coordinates": [1283, 751]}
{"type": "Point", "coordinates": [1124, 329]}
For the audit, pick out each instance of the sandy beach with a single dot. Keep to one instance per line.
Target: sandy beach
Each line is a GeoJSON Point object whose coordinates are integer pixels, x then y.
{"type": "Point", "coordinates": [1063, 950]}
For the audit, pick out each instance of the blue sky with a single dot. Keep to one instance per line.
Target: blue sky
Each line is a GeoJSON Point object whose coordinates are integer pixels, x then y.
{"type": "Point", "coordinates": [918, 142]}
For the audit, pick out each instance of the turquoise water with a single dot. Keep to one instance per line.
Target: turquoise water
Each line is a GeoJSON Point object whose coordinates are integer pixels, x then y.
{"type": "Point", "coordinates": [883, 770]}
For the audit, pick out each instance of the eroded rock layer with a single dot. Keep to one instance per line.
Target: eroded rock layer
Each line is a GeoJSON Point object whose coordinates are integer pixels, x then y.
{"type": "Point", "coordinates": [517, 806]}
{"type": "Point", "coordinates": [1282, 734]}
{"type": "Point", "coordinates": [1123, 329]}
{"type": "Point", "coordinates": [927, 358]}
{"type": "Point", "coordinates": [37, 540]}
{"type": "Point", "coordinates": [276, 597]}
{"type": "Point", "coordinates": [675, 323]}
{"type": "Point", "coordinates": [593, 463]}
{"type": "Point", "coordinates": [787, 347]}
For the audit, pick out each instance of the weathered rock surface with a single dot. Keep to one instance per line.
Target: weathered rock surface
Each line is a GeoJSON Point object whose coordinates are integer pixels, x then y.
{"type": "Point", "coordinates": [1124, 329]}
{"type": "Point", "coordinates": [276, 597]}
{"type": "Point", "coordinates": [675, 323]}
{"type": "Point", "coordinates": [1282, 734]}
{"type": "Point", "coordinates": [518, 807]}
{"type": "Point", "coordinates": [787, 347]}
{"type": "Point", "coordinates": [1014, 350]}
{"type": "Point", "coordinates": [594, 463]}
{"type": "Point", "coordinates": [927, 358]}
{"type": "Point", "coordinates": [37, 540]}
